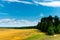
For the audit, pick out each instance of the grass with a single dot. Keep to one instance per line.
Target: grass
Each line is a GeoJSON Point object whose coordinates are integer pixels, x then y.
{"type": "Point", "coordinates": [35, 37]}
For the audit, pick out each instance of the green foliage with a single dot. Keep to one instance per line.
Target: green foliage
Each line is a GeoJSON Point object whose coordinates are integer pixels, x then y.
{"type": "Point", "coordinates": [50, 30]}
{"type": "Point", "coordinates": [58, 28]}
{"type": "Point", "coordinates": [50, 25]}
{"type": "Point", "coordinates": [56, 21]}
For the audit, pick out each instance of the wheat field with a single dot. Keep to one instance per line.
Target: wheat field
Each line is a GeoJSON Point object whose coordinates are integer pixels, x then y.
{"type": "Point", "coordinates": [17, 34]}
{"type": "Point", "coordinates": [25, 34]}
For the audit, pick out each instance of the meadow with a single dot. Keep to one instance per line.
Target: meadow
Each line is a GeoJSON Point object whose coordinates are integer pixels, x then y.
{"type": "Point", "coordinates": [25, 34]}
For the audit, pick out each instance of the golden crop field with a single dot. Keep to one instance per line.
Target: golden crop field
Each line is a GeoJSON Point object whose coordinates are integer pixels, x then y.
{"type": "Point", "coordinates": [17, 34]}
{"type": "Point", "coordinates": [25, 34]}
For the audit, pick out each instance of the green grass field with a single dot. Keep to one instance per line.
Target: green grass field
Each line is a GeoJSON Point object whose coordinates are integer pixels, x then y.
{"type": "Point", "coordinates": [35, 37]}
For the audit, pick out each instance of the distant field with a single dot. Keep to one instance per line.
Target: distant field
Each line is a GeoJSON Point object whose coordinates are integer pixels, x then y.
{"type": "Point", "coordinates": [25, 34]}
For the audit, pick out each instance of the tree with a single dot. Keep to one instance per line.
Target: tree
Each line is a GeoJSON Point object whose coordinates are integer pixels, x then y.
{"type": "Point", "coordinates": [43, 24]}
{"type": "Point", "coordinates": [58, 28]}
{"type": "Point", "coordinates": [56, 21]}
{"type": "Point", "coordinates": [51, 28]}
{"type": "Point", "coordinates": [49, 25]}
{"type": "Point", "coordinates": [50, 18]}
{"type": "Point", "coordinates": [39, 25]}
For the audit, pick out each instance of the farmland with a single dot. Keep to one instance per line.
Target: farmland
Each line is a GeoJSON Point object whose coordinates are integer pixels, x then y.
{"type": "Point", "coordinates": [25, 34]}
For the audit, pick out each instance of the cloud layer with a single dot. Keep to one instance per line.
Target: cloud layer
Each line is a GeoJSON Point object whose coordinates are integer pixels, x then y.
{"type": "Point", "coordinates": [25, 2]}
{"type": "Point", "coordinates": [50, 4]}
{"type": "Point", "coordinates": [16, 23]}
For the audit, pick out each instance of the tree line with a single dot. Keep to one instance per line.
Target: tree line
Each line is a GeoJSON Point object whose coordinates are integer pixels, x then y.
{"type": "Point", "coordinates": [50, 25]}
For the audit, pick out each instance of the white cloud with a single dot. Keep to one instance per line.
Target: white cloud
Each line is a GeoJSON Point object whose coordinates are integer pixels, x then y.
{"type": "Point", "coordinates": [16, 23]}
{"type": "Point", "coordinates": [25, 2]}
{"type": "Point", "coordinates": [11, 0]}
{"type": "Point", "coordinates": [50, 4]}
{"type": "Point", "coordinates": [48, 0]}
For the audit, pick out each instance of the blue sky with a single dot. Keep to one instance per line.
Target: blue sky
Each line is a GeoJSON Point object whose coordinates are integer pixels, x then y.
{"type": "Point", "coordinates": [26, 12]}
